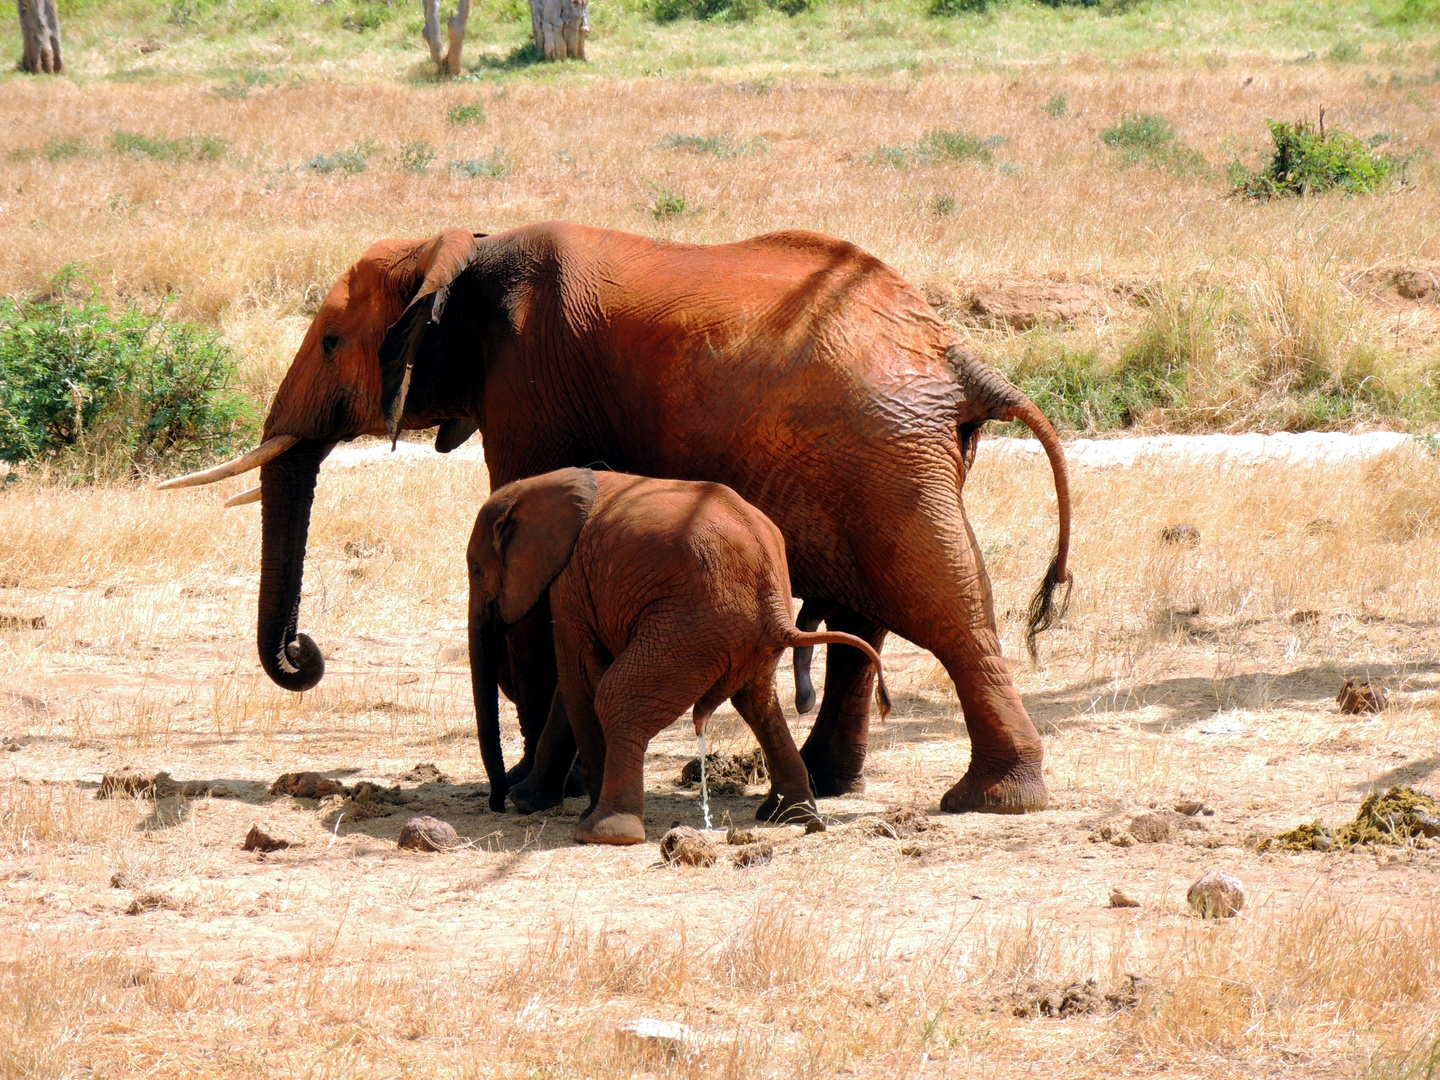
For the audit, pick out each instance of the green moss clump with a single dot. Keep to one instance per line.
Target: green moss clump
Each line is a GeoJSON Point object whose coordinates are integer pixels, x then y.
{"type": "Point", "coordinates": [1399, 816]}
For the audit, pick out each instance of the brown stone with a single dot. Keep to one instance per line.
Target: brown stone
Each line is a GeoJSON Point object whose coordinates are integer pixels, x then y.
{"type": "Point", "coordinates": [428, 834]}
{"type": "Point", "coordinates": [306, 785]}
{"type": "Point", "coordinates": [1216, 895]}
{"type": "Point", "coordinates": [683, 844]}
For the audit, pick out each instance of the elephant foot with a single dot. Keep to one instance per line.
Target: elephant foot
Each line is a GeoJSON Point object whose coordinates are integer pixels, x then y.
{"type": "Point", "coordinates": [532, 795]}
{"type": "Point", "coordinates": [788, 810]}
{"type": "Point", "coordinates": [1017, 788]}
{"type": "Point", "coordinates": [832, 775]}
{"type": "Point", "coordinates": [612, 828]}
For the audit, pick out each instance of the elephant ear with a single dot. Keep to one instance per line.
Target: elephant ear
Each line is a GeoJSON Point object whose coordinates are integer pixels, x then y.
{"type": "Point", "coordinates": [437, 266]}
{"type": "Point", "coordinates": [535, 532]}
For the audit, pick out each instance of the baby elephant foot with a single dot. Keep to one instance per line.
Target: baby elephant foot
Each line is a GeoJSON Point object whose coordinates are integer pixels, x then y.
{"type": "Point", "coordinates": [611, 828]}
{"type": "Point", "coordinates": [788, 810]}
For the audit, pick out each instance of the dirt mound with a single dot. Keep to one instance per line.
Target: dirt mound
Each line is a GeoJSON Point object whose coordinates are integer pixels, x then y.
{"type": "Point", "coordinates": [1360, 696]}
{"type": "Point", "coordinates": [726, 774]}
{"type": "Point", "coordinates": [159, 786]}
{"type": "Point", "coordinates": [259, 840]}
{"type": "Point", "coordinates": [1418, 284]}
{"type": "Point", "coordinates": [306, 785]}
{"type": "Point", "coordinates": [900, 822]}
{"type": "Point", "coordinates": [426, 773]}
{"type": "Point", "coordinates": [1401, 815]}
{"type": "Point", "coordinates": [1079, 998]}
{"type": "Point", "coordinates": [1017, 305]}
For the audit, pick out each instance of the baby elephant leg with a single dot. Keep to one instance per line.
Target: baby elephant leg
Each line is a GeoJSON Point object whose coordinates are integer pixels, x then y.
{"type": "Point", "coordinates": [790, 799]}
{"type": "Point", "coordinates": [640, 696]}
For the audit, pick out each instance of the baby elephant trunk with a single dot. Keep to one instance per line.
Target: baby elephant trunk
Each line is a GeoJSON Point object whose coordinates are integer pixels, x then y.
{"type": "Point", "coordinates": [799, 639]}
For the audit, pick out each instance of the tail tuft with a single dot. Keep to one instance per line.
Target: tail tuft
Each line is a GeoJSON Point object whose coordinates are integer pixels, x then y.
{"type": "Point", "coordinates": [882, 696]}
{"type": "Point", "coordinates": [1043, 613]}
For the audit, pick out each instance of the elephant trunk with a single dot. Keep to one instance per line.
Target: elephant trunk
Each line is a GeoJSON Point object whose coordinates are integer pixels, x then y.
{"type": "Point", "coordinates": [287, 491]}
{"type": "Point", "coordinates": [487, 640]}
{"type": "Point", "coordinates": [990, 396]}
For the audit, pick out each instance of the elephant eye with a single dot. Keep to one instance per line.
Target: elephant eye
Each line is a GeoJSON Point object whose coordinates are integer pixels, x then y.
{"type": "Point", "coordinates": [330, 343]}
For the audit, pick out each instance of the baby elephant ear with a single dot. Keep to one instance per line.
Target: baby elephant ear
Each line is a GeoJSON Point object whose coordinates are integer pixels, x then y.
{"type": "Point", "coordinates": [438, 264]}
{"type": "Point", "coordinates": [535, 534]}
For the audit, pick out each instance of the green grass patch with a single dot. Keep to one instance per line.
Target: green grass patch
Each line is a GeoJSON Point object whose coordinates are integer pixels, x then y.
{"type": "Point", "coordinates": [724, 10]}
{"type": "Point", "coordinates": [1309, 160]}
{"type": "Point", "coordinates": [416, 156]}
{"type": "Point", "coordinates": [116, 390]}
{"type": "Point", "coordinates": [202, 148]}
{"type": "Point", "coordinates": [471, 113]}
{"type": "Point", "coordinates": [1149, 139]}
{"type": "Point", "coordinates": [721, 146]}
{"type": "Point", "coordinates": [491, 167]}
{"type": "Point", "coordinates": [667, 203]}
{"type": "Point", "coordinates": [939, 146]}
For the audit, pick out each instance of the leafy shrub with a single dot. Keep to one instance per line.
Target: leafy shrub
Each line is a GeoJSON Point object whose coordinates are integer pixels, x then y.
{"type": "Point", "coordinates": [667, 204]}
{"type": "Point", "coordinates": [724, 10]}
{"type": "Point", "coordinates": [1344, 52]}
{"type": "Point", "coordinates": [722, 146]}
{"type": "Point", "coordinates": [492, 167]}
{"type": "Point", "coordinates": [473, 113]}
{"type": "Point", "coordinates": [350, 161]}
{"type": "Point", "coordinates": [123, 387]}
{"type": "Point", "coordinates": [941, 8]}
{"type": "Point", "coordinates": [63, 147]}
{"type": "Point", "coordinates": [369, 16]}
{"type": "Point", "coordinates": [1058, 106]}
{"type": "Point", "coordinates": [1309, 161]}
{"type": "Point", "coordinates": [1149, 139]}
{"type": "Point", "coordinates": [941, 205]}
{"type": "Point", "coordinates": [416, 156]}
{"type": "Point", "coordinates": [162, 148]}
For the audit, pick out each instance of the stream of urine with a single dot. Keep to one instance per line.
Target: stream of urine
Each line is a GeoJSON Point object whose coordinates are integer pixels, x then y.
{"type": "Point", "coordinates": [704, 787]}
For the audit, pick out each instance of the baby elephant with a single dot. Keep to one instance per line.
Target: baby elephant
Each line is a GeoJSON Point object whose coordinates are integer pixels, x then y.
{"type": "Point", "coordinates": [665, 594]}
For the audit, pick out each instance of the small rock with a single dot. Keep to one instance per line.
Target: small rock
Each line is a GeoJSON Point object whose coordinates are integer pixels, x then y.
{"type": "Point", "coordinates": [1308, 617]}
{"type": "Point", "coordinates": [1189, 807]}
{"type": "Point", "coordinates": [656, 1042]}
{"type": "Point", "coordinates": [1216, 895]}
{"type": "Point", "coordinates": [125, 782]}
{"type": "Point", "coordinates": [814, 825]}
{"type": "Point", "coordinates": [306, 785]}
{"type": "Point", "coordinates": [683, 844]}
{"type": "Point", "coordinates": [428, 834]}
{"type": "Point", "coordinates": [258, 840]}
{"type": "Point", "coordinates": [1358, 696]}
{"type": "Point", "coordinates": [1180, 535]}
{"type": "Point", "coordinates": [755, 854]}
{"type": "Point", "coordinates": [1119, 899]}
{"type": "Point", "coordinates": [426, 773]}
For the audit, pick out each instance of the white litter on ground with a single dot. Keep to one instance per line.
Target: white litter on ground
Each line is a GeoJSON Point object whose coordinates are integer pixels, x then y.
{"type": "Point", "coordinates": [1246, 449]}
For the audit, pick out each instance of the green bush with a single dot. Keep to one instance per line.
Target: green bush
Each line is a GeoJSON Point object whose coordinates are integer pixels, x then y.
{"type": "Point", "coordinates": [350, 161]}
{"type": "Point", "coordinates": [941, 8]}
{"type": "Point", "coordinates": [1310, 161]}
{"type": "Point", "coordinates": [416, 156]}
{"type": "Point", "coordinates": [722, 146]}
{"type": "Point", "coordinates": [1148, 139]}
{"type": "Point", "coordinates": [668, 203]}
{"type": "Point", "coordinates": [726, 10]}
{"type": "Point", "coordinates": [126, 389]}
{"type": "Point", "coordinates": [938, 145]}
{"type": "Point", "coordinates": [162, 148]}
{"type": "Point", "coordinates": [1058, 107]}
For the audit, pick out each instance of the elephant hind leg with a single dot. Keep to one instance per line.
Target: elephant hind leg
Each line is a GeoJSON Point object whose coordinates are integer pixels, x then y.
{"type": "Point", "coordinates": [790, 799]}
{"type": "Point", "coordinates": [835, 750]}
{"type": "Point", "coordinates": [640, 695]}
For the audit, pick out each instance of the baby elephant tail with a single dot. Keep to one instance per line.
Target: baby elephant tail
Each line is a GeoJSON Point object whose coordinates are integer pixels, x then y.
{"type": "Point", "coordinates": [800, 639]}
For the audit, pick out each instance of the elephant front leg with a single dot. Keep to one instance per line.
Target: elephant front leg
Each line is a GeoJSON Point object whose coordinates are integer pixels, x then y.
{"type": "Point", "coordinates": [531, 647]}
{"type": "Point", "coordinates": [554, 773]}
{"type": "Point", "coordinates": [835, 750]}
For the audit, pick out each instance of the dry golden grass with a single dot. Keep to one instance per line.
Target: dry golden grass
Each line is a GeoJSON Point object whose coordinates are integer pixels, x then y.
{"type": "Point", "coordinates": [1178, 672]}
{"type": "Point", "coordinates": [254, 240]}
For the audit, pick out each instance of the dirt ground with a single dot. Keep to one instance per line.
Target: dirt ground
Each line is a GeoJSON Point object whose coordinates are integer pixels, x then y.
{"type": "Point", "coordinates": [140, 939]}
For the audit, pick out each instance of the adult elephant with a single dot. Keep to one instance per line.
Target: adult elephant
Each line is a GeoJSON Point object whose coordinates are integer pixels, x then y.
{"type": "Point", "coordinates": [794, 367]}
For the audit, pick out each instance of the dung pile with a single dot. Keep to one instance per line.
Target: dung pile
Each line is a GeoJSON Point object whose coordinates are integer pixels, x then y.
{"type": "Point", "coordinates": [726, 774]}
{"type": "Point", "coordinates": [1401, 815]}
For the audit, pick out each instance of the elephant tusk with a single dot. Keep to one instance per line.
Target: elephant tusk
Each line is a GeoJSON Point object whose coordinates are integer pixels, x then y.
{"type": "Point", "coordinates": [253, 495]}
{"type": "Point", "coordinates": [268, 450]}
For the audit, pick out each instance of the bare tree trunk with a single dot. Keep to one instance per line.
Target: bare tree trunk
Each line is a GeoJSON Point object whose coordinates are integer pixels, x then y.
{"type": "Point", "coordinates": [40, 27]}
{"type": "Point", "coordinates": [560, 27]}
{"type": "Point", "coordinates": [450, 63]}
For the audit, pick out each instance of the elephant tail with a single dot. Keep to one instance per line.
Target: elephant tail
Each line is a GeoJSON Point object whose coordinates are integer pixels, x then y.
{"type": "Point", "coordinates": [996, 398]}
{"type": "Point", "coordinates": [799, 639]}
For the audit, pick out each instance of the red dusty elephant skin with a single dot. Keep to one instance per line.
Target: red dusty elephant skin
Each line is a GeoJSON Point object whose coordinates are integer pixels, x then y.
{"type": "Point", "coordinates": [797, 369]}
{"type": "Point", "coordinates": [665, 594]}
